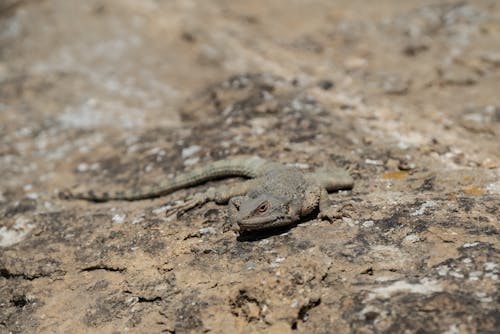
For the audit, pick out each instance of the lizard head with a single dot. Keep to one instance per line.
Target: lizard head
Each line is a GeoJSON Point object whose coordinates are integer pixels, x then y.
{"type": "Point", "coordinates": [264, 211]}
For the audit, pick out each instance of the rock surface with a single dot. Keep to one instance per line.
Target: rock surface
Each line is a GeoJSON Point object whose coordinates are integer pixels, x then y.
{"type": "Point", "coordinates": [113, 94]}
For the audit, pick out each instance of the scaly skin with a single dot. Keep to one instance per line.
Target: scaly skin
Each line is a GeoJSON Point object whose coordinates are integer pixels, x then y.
{"type": "Point", "coordinates": [250, 168]}
{"type": "Point", "coordinates": [276, 195]}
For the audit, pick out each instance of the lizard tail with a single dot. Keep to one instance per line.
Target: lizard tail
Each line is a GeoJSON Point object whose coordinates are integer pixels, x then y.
{"type": "Point", "coordinates": [250, 168]}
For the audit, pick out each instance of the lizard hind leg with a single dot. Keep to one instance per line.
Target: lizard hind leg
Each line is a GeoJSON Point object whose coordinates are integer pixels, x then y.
{"type": "Point", "coordinates": [196, 200]}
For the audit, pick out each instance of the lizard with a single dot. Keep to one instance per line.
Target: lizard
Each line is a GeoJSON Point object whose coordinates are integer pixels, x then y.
{"type": "Point", "coordinates": [274, 195]}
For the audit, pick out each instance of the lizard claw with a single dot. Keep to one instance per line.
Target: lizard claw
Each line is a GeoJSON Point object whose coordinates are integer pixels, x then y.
{"type": "Point", "coordinates": [230, 226]}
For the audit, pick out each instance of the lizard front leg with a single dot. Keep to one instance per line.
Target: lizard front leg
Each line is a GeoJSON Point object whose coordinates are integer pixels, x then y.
{"type": "Point", "coordinates": [233, 208]}
{"type": "Point", "coordinates": [326, 211]}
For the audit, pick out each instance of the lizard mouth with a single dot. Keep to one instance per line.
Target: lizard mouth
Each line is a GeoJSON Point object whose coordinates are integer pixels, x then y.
{"type": "Point", "coordinates": [260, 223]}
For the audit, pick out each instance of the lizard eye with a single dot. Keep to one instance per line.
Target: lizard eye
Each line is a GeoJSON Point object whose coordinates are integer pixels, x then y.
{"type": "Point", "coordinates": [263, 207]}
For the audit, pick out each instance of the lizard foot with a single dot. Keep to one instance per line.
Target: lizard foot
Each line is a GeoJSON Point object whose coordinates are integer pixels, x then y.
{"type": "Point", "coordinates": [230, 226]}
{"type": "Point", "coordinates": [183, 207]}
{"type": "Point", "coordinates": [333, 213]}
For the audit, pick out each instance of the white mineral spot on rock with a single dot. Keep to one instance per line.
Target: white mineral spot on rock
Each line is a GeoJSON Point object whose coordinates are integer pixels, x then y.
{"type": "Point", "coordinates": [355, 62]}
{"type": "Point", "coordinates": [474, 276]}
{"type": "Point", "coordinates": [133, 148]}
{"type": "Point", "coordinates": [118, 218]}
{"type": "Point", "coordinates": [154, 150]}
{"type": "Point", "coordinates": [192, 161]}
{"type": "Point", "coordinates": [189, 151]}
{"type": "Point", "coordinates": [456, 274]}
{"type": "Point", "coordinates": [24, 132]}
{"type": "Point", "coordinates": [491, 276]}
{"type": "Point", "coordinates": [382, 279]}
{"type": "Point", "coordinates": [368, 223]}
{"type": "Point", "coordinates": [453, 329]}
{"type": "Point", "coordinates": [84, 149]}
{"type": "Point", "coordinates": [32, 196]}
{"type": "Point", "coordinates": [373, 162]}
{"type": "Point", "coordinates": [402, 145]}
{"type": "Point", "coordinates": [259, 125]}
{"type": "Point", "coordinates": [248, 266]}
{"type": "Point", "coordinates": [16, 233]}
{"type": "Point", "coordinates": [277, 262]}
{"type": "Point", "coordinates": [266, 96]}
{"type": "Point", "coordinates": [207, 230]}
{"type": "Point", "coordinates": [348, 221]}
{"type": "Point", "coordinates": [299, 165]}
{"type": "Point", "coordinates": [263, 242]}
{"type": "Point", "coordinates": [49, 206]}
{"type": "Point", "coordinates": [137, 220]}
{"type": "Point", "coordinates": [297, 105]}
{"type": "Point", "coordinates": [425, 287]}
{"type": "Point", "coordinates": [493, 188]}
{"type": "Point", "coordinates": [412, 238]}
{"type": "Point", "coordinates": [257, 130]}
{"type": "Point", "coordinates": [443, 271]}
{"type": "Point", "coordinates": [369, 309]}
{"type": "Point", "coordinates": [159, 155]}
{"type": "Point", "coordinates": [423, 207]}
{"type": "Point", "coordinates": [132, 301]}
{"type": "Point", "coordinates": [82, 167]}
{"type": "Point", "coordinates": [491, 57]}
{"type": "Point", "coordinates": [490, 266]}
{"type": "Point", "coordinates": [97, 113]}
{"type": "Point", "coordinates": [162, 209]}
{"type": "Point", "coordinates": [475, 118]}
{"type": "Point", "coordinates": [468, 245]}
{"type": "Point", "coordinates": [227, 110]}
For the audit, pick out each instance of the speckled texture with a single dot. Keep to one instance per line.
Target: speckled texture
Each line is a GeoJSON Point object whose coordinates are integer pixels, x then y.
{"type": "Point", "coordinates": [403, 94]}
